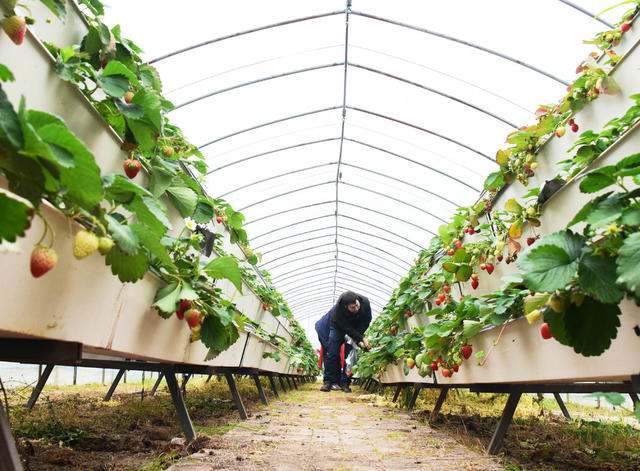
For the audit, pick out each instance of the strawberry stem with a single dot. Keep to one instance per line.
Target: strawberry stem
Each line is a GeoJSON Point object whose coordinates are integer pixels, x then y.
{"type": "Point", "coordinates": [486, 357]}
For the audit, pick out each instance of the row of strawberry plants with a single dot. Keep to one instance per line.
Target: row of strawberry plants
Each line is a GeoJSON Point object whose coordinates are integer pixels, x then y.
{"type": "Point", "coordinates": [568, 277]}
{"type": "Point", "coordinates": [126, 222]}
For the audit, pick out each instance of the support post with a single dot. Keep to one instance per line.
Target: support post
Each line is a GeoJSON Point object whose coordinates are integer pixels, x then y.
{"type": "Point", "coordinates": [289, 383]}
{"type": "Point", "coordinates": [39, 385]}
{"type": "Point", "coordinates": [185, 379]}
{"type": "Point", "coordinates": [236, 396]}
{"type": "Point", "coordinates": [414, 398]}
{"type": "Point", "coordinates": [263, 396]}
{"type": "Point", "coordinates": [563, 408]}
{"type": "Point", "coordinates": [158, 381]}
{"type": "Point", "coordinates": [397, 393]}
{"type": "Point", "coordinates": [114, 385]}
{"type": "Point", "coordinates": [11, 459]}
{"type": "Point", "coordinates": [439, 402]}
{"type": "Point", "coordinates": [208, 379]}
{"type": "Point", "coordinates": [375, 387]}
{"type": "Point", "coordinates": [504, 422]}
{"type": "Point", "coordinates": [284, 388]}
{"type": "Point", "coordinates": [273, 387]}
{"type": "Point", "coordinates": [178, 402]}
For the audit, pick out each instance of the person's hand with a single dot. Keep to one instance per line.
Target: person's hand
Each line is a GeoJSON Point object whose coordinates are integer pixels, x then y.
{"type": "Point", "coordinates": [366, 344]}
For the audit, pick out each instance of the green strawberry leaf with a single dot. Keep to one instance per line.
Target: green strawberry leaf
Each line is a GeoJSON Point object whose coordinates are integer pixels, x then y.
{"type": "Point", "coordinates": [130, 110]}
{"type": "Point", "coordinates": [461, 256]}
{"type": "Point", "coordinates": [151, 242]}
{"type": "Point", "coordinates": [160, 180]}
{"type": "Point", "coordinates": [587, 209]}
{"type": "Point", "coordinates": [149, 212]}
{"type": "Point", "coordinates": [493, 181]}
{"type": "Point", "coordinates": [113, 85]}
{"type": "Point", "coordinates": [214, 335]}
{"type": "Point", "coordinates": [592, 326]}
{"type": "Point", "coordinates": [204, 212]}
{"type": "Point", "coordinates": [597, 276]}
{"type": "Point", "coordinates": [631, 216]}
{"type": "Point", "coordinates": [557, 326]}
{"type": "Point", "coordinates": [471, 328]}
{"type": "Point", "coordinates": [536, 301]}
{"type": "Point", "coordinates": [123, 235]}
{"type": "Point", "coordinates": [464, 272]}
{"type": "Point", "coordinates": [450, 267]}
{"type": "Point", "coordinates": [629, 166]}
{"type": "Point", "coordinates": [150, 78]}
{"type": "Point", "coordinates": [15, 216]}
{"type": "Point", "coordinates": [114, 67]}
{"type": "Point", "coordinates": [57, 7]}
{"type": "Point", "coordinates": [235, 218]}
{"type": "Point", "coordinates": [105, 34]}
{"type": "Point", "coordinates": [10, 128]}
{"type": "Point", "coordinates": [188, 293]}
{"type": "Point", "coordinates": [226, 315]}
{"type": "Point", "coordinates": [167, 299]}
{"type": "Point", "coordinates": [127, 267]}
{"type": "Point", "coordinates": [225, 267]}
{"type": "Point", "coordinates": [613, 398]}
{"type": "Point", "coordinates": [628, 262]}
{"type": "Point", "coordinates": [606, 211]}
{"type": "Point", "coordinates": [120, 189]}
{"type": "Point", "coordinates": [182, 197]}
{"type": "Point", "coordinates": [150, 102]}
{"type": "Point", "coordinates": [5, 74]}
{"type": "Point", "coordinates": [95, 6]}
{"type": "Point", "coordinates": [144, 134]}
{"type": "Point", "coordinates": [549, 267]}
{"type": "Point", "coordinates": [598, 179]}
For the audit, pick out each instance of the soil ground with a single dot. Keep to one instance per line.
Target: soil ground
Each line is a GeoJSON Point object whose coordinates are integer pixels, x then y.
{"type": "Point", "coordinates": [74, 429]}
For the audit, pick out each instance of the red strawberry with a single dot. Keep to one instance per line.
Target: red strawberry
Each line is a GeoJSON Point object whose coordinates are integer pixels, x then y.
{"type": "Point", "coordinates": [471, 231]}
{"type": "Point", "coordinates": [184, 306]}
{"type": "Point", "coordinates": [15, 27]}
{"type": "Point", "coordinates": [455, 368]}
{"type": "Point", "coordinates": [131, 167]}
{"type": "Point", "coordinates": [438, 302]}
{"type": "Point", "coordinates": [441, 296]}
{"type": "Point", "coordinates": [626, 26]}
{"type": "Point", "coordinates": [439, 360]}
{"type": "Point", "coordinates": [457, 243]}
{"type": "Point", "coordinates": [466, 351]}
{"type": "Point", "coordinates": [483, 266]}
{"type": "Point", "coordinates": [499, 257]}
{"type": "Point", "coordinates": [192, 316]}
{"type": "Point", "coordinates": [530, 240]}
{"type": "Point", "coordinates": [450, 252]}
{"type": "Point", "coordinates": [574, 128]}
{"type": "Point", "coordinates": [571, 122]}
{"type": "Point", "coordinates": [474, 276]}
{"type": "Point", "coordinates": [490, 268]}
{"type": "Point", "coordinates": [393, 330]}
{"type": "Point", "coordinates": [545, 332]}
{"type": "Point", "coordinates": [218, 219]}
{"type": "Point", "coordinates": [265, 307]}
{"type": "Point", "coordinates": [433, 366]}
{"type": "Point", "coordinates": [43, 259]}
{"type": "Point", "coordinates": [447, 372]}
{"type": "Point", "coordinates": [128, 96]}
{"type": "Point", "coordinates": [409, 314]}
{"type": "Point", "coordinates": [474, 284]}
{"type": "Point", "coordinates": [446, 288]}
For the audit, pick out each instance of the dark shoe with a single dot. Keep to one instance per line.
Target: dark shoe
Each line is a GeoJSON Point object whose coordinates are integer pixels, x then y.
{"type": "Point", "coordinates": [336, 387]}
{"type": "Point", "coordinates": [346, 388]}
{"type": "Point", "coordinates": [326, 387]}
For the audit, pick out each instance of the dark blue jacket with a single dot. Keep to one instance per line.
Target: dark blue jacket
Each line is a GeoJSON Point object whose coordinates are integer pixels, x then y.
{"type": "Point", "coordinates": [323, 326]}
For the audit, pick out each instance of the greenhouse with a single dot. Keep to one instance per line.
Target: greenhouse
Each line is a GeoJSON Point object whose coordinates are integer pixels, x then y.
{"type": "Point", "coordinates": [248, 207]}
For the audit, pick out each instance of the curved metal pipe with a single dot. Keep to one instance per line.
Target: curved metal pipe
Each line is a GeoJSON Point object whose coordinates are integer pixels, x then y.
{"type": "Point", "coordinates": [355, 279]}
{"type": "Point", "coordinates": [464, 43]}
{"type": "Point", "coordinates": [285, 193]}
{"type": "Point", "coordinates": [285, 211]}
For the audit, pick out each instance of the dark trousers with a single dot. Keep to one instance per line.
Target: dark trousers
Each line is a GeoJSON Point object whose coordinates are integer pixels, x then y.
{"type": "Point", "coordinates": [332, 371]}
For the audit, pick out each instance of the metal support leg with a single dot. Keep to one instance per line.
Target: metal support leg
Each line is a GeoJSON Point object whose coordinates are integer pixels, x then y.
{"type": "Point", "coordinates": [504, 422]}
{"type": "Point", "coordinates": [414, 398]}
{"type": "Point", "coordinates": [185, 379]}
{"type": "Point", "coordinates": [263, 397]}
{"type": "Point", "coordinates": [236, 396]}
{"type": "Point", "coordinates": [284, 388]}
{"type": "Point", "coordinates": [397, 393]}
{"type": "Point", "coordinates": [289, 383]}
{"type": "Point", "coordinates": [155, 386]}
{"type": "Point", "coordinates": [181, 408]}
{"type": "Point", "coordinates": [273, 387]}
{"type": "Point", "coordinates": [439, 402]}
{"type": "Point", "coordinates": [208, 379]}
{"type": "Point", "coordinates": [295, 383]}
{"type": "Point", "coordinates": [375, 387]}
{"type": "Point", "coordinates": [38, 389]}
{"type": "Point", "coordinates": [114, 385]}
{"type": "Point", "coordinates": [563, 408]}
{"type": "Point", "coordinates": [11, 460]}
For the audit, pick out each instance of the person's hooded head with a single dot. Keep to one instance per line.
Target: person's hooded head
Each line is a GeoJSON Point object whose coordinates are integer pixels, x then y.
{"type": "Point", "coordinates": [349, 303]}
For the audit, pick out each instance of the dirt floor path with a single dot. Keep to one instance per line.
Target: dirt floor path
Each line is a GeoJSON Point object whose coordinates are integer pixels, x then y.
{"type": "Point", "coordinates": [312, 430]}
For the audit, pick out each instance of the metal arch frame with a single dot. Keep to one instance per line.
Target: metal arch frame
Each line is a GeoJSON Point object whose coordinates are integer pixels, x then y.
{"type": "Point", "coordinates": [374, 284]}
{"type": "Point", "coordinates": [432, 90]}
{"type": "Point", "coordinates": [341, 202]}
{"type": "Point", "coordinates": [264, 264]}
{"type": "Point", "coordinates": [310, 309]}
{"type": "Point", "coordinates": [285, 211]}
{"type": "Point", "coordinates": [318, 282]}
{"type": "Point", "coordinates": [419, 247]}
{"type": "Point", "coordinates": [464, 43]}
{"type": "Point", "coordinates": [395, 154]}
{"type": "Point", "coordinates": [347, 184]}
{"type": "Point", "coordinates": [297, 271]}
{"type": "Point", "coordinates": [328, 289]}
{"type": "Point", "coordinates": [369, 290]}
{"type": "Point", "coordinates": [312, 301]}
{"type": "Point", "coordinates": [374, 298]}
{"type": "Point", "coordinates": [292, 172]}
{"type": "Point", "coordinates": [269, 123]}
{"type": "Point", "coordinates": [346, 245]}
{"type": "Point", "coordinates": [384, 269]}
{"type": "Point", "coordinates": [588, 13]}
{"type": "Point", "coordinates": [315, 185]}
{"type": "Point", "coordinates": [374, 255]}
{"type": "Point", "coordinates": [242, 33]}
{"type": "Point", "coordinates": [294, 276]}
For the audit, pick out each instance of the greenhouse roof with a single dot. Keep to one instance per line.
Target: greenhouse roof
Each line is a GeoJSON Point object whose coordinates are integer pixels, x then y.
{"type": "Point", "coordinates": [347, 132]}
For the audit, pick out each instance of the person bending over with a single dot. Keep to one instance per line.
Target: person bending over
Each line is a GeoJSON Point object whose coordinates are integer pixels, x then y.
{"type": "Point", "coordinates": [350, 316]}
